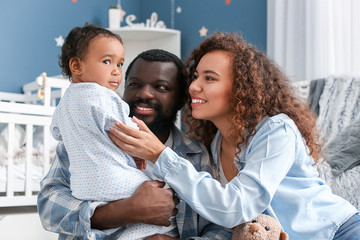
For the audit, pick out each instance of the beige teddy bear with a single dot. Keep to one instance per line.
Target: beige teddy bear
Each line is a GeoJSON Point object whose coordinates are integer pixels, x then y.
{"type": "Point", "coordinates": [263, 227]}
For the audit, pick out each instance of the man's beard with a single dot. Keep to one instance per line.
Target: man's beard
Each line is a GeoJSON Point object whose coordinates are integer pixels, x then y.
{"type": "Point", "coordinates": [161, 122]}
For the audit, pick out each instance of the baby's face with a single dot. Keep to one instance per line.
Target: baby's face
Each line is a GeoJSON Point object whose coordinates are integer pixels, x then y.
{"type": "Point", "coordinates": [103, 61]}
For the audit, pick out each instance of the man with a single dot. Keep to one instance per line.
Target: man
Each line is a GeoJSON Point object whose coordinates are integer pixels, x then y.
{"type": "Point", "coordinates": [155, 90]}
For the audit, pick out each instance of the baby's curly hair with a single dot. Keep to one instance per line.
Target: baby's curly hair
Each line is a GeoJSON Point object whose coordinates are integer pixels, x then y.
{"type": "Point", "coordinates": [259, 89]}
{"type": "Point", "coordinates": [77, 43]}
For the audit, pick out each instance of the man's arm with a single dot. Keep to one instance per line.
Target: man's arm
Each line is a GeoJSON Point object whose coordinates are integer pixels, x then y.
{"type": "Point", "coordinates": [59, 211]}
{"type": "Point", "coordinates": [149, 204]}
{"type": "Point", "coordinates": [62, 213]}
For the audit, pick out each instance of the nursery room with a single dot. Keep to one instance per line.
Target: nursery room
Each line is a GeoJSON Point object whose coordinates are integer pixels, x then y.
{"type": "Point", "coordinates": [316, 44]}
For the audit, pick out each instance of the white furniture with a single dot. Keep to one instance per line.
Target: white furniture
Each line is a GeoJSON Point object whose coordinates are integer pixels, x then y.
{"type": "Point", "coordinates": [20, 174]}
{"type": "Point", "coordinates": [137, 40]}
{"type": "Point", "coordinates": [21, 116]}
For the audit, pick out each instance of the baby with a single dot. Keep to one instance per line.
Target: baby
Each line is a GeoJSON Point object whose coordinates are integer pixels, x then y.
{"type": "Point", "coordinates": [92, 57]}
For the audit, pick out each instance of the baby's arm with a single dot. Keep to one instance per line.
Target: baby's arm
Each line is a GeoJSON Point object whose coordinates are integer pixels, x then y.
{"type": "Point", "coordinates": [140, 163]}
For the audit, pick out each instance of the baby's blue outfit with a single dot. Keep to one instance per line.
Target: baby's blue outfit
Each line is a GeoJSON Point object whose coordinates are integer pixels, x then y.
{"type": "Point", "coordinates": [99, 170]}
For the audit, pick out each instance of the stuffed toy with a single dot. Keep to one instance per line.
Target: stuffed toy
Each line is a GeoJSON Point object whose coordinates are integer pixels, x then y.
{"type": "Point", "coordinates": [263, 227]}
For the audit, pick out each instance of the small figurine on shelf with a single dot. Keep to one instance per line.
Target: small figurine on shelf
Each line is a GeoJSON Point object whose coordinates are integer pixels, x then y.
{"type": "Point", "coordinates": [116, 15]}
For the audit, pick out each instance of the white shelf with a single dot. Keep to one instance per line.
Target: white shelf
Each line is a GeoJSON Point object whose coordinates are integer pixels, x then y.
{"type": "Point", "coordinates": [148, 34]}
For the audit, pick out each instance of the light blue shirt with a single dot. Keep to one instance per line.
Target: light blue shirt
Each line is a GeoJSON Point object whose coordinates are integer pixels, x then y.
{"type": "Point", "coordinates": [276, 176]}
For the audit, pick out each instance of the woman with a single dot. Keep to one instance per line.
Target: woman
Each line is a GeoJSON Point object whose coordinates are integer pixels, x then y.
{"type": "Point", "coordinates": [263, 140]}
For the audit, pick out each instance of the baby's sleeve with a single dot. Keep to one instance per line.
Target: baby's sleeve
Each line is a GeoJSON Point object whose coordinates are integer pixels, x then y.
{"type": "Point", "coordinates": [114, 109]}
{"type": "Point", "coordinates": [54, 128]}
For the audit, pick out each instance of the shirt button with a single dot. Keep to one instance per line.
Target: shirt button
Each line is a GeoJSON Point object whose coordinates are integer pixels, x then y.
{"type": "Point", "coordinates": [91, 236]}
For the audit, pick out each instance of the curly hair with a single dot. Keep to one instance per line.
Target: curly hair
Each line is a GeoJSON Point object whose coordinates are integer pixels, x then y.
{"type": "Point", "coordinates": [77, 43]}
{"type": "Point", "coordinates": [259, 89]}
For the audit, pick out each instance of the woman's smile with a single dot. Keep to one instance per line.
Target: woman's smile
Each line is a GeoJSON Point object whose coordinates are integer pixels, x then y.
{"type": "Point", "coordinates": [197, 101]}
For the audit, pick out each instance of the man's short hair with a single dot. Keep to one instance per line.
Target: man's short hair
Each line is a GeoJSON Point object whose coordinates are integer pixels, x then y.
{"type": "Point", "coordinates": [159, 55]}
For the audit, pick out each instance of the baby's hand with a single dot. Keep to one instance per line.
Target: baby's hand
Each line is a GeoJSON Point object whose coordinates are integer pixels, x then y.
{"type": "Point", "coordinates": [140, 163]}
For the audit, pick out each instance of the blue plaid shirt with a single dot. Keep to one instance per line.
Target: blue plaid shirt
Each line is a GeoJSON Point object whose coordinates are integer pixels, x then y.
{"type": "Point", "coordinates": [62, 213]}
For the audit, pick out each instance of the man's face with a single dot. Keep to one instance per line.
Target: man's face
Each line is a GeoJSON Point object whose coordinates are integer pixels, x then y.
{"type": "Point", "coordinates": [152, 92]}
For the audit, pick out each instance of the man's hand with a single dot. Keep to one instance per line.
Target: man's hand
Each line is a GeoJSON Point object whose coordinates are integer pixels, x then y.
{"type": "Point", "coordinates": [153, 204]}
{"type": "Point", "coordinates": [161, 237]}
{"type": "Point", "coordinates": [149, 204]}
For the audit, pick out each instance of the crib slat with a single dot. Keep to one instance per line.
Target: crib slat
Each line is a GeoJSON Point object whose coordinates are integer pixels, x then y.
{"type": "Point", "coordinates": [46, 149]}
{"type": "Point", "coordinates": [28, 166]}
{"type": "Point", "coordinates": [27, 109]}
{"type": "Point", "coordinates": [47, 99]}
{"type": "Point", "coordinates": [10, 167]}
{"type": "Point", "coordinates": [62, 92]}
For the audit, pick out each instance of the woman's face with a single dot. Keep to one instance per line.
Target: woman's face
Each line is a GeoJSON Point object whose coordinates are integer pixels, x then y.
{"type": "Point", "coordinates": [211, 88]}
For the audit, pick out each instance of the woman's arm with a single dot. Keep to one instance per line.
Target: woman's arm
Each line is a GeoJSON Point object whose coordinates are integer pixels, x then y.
{"type": "Point", "coordinates": [245, 197]}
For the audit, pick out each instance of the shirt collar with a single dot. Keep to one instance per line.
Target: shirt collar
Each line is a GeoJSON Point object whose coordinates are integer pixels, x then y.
{"type": "Point", "coordinates": [170, 141]}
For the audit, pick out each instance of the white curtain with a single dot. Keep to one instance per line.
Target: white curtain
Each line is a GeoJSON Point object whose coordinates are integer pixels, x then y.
{"type": "Point", "coordinates": [313, 39]}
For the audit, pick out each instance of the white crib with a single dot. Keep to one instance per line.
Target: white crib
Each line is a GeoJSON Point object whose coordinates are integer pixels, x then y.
{"type": "Point", "coordinates": [24, 115]}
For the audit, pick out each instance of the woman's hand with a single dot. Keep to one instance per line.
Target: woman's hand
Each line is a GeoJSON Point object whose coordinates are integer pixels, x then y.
{"type": "Point", "coordinates": [138, 143]}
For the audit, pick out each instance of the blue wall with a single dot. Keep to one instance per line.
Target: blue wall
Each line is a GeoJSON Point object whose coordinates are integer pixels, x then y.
{"type": "Point", "coordinates": [248, 17]}
{"type": "Point", "coordinates": [29, 28]}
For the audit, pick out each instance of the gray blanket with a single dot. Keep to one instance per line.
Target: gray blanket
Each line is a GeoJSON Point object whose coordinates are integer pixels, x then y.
{"type": "Point", "coordinates": [316, 89]}
{"type": "Point", "coordinates": [339, 117]}
{"type": "Point", "coordinates": [343, 152]}
{"type": "Point", "coordinates": [339, 105]}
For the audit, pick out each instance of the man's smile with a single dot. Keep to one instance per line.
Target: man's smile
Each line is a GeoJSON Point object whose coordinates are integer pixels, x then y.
{"type": "Point", "coordinates": [144, 109]}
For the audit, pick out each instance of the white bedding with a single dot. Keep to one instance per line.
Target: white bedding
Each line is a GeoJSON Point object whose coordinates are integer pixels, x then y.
{"type": "Point", "coordinates": [19, 158]}
{"type": "Point", "coordinates": [19, 177]}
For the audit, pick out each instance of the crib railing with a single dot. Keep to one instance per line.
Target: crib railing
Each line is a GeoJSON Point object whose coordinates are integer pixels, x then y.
{"type": "Point", "coordinates": [32, 109]}
{"type": "Point", "coordinates": [46, 89]}
{"type": "Point", "coordinates": [27, 194]}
